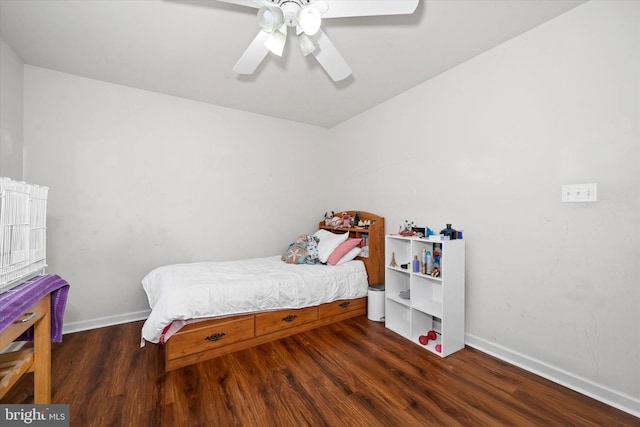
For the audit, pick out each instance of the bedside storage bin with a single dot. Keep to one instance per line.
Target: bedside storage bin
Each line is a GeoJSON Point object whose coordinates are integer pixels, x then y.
{"type": "Point", "coordinates": [375, 303]}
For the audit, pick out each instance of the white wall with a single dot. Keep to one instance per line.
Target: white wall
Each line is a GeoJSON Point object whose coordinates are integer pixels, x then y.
{"type": "Point", "coordinates": [552, 286]}
{"type": "Point", "coordinates": [139, 179]}
{"type": "Point", "coordinates": [10, 113]}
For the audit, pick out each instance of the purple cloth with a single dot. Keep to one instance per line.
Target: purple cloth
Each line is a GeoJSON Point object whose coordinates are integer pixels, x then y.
{"type": "Point", "coordinates": [14, 302]}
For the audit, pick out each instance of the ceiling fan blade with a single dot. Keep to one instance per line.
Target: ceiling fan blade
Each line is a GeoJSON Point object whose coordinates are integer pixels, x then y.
{"type": "Point", "coordinates": [248, 3]}
{"type": "Point", "coordinates": [347, 8]}
{"type": "Point", "coordinates": [253, 56]}
{"type": "Point", "coordinates": [330, 59]}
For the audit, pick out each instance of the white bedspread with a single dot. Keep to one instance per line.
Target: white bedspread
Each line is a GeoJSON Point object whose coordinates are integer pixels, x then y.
{"type": "Point", "coordinates": [209, 289]}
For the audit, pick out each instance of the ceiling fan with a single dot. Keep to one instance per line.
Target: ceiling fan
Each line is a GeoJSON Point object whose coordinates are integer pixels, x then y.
{"type": "Point", "coordinates": [304, 17]}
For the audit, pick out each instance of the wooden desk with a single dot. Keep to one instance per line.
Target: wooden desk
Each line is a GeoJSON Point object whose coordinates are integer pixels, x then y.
{"type": "Point", "coordinates": [37, 359]}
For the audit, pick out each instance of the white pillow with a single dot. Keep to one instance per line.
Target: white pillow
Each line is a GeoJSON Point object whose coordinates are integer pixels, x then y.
{"type": "Point", "coordinates": [350, 255]}
{"type": "Point", "coordinates": [328, 243]}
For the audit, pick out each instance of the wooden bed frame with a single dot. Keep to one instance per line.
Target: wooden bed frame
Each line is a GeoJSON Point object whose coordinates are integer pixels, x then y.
{"type": "Point", "coordinates": [206, 340]}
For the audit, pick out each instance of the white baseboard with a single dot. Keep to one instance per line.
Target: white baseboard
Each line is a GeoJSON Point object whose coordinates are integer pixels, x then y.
{"type": "Point", "coordinates": [101, 322]}
{"type": "Point", "coordinates": [86, 325]}
{"type": "Point", "coordinates": [601, 393]}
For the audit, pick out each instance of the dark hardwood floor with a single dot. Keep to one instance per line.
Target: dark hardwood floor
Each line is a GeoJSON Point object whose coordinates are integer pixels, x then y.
{"type": "Point", "coordinates": [354, 373]}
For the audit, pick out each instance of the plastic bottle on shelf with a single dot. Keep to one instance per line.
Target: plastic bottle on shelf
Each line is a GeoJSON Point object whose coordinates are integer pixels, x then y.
{"type": "Point", "coordinates": [429, 263]}
{"type": "Point", "coordinates": [423, 261]}
{"type": "Point", "coordinates": [437, 253]}
{"type": "Point", "coordinates": [416, 264]}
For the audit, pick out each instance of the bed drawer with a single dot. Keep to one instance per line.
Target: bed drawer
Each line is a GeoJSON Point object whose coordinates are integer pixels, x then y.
{"type": "Point", "coordinates": [267, 323]}
{"type": "Point", "coordinates": [210, 335]}
{"type": "Point", "coordinates": [341, 306]}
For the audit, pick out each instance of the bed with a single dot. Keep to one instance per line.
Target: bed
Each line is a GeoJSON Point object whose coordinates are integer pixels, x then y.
{"type": "Point", "coordinates": [200, 311]}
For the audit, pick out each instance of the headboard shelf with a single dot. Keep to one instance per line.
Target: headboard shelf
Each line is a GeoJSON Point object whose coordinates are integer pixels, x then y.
{"type": "Point", "coordinates": [374, 263]}
{"type": "Point", "coordinates": [331, 227]}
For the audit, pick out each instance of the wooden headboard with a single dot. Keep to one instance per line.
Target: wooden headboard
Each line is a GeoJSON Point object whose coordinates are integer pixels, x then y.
{"type": "Point", "coordinates": [374, 263]}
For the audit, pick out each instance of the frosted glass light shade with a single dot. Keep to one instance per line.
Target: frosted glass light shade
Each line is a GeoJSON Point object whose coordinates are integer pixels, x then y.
{"type": "Point", "coordinates": [306, 44]}
{"type": "Point", "coordinates": [276, 41]}
{"type": "Point", "coordinates": [309, 20]}
{"type": "Point", "coordinates": [270, 18]}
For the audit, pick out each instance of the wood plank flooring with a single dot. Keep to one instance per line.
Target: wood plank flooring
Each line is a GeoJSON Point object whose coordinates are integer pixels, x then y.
{"type": "Point", "coordinates": [354, 373]}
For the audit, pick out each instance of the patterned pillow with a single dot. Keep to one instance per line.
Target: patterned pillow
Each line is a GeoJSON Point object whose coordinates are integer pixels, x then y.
{"type": "Point", "coordinates": [312, 250]}
{"type": "Point", "coordinates": [303, 251]}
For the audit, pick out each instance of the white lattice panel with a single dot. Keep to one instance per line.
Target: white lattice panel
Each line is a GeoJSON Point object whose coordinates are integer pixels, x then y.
{"type": "Point", "coordinates": [23, 226]}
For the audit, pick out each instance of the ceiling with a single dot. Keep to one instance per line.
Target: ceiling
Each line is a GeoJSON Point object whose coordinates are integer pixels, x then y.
{"type": "Point", "coordinates": [187, 48]}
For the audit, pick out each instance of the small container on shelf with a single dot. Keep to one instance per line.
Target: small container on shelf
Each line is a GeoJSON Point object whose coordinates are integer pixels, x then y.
{"type": "Point", "coordinates": [449, 233]}
{"type": "Point", "coordinates": [415, 265]}
{"type": "Point", "coordinates": [437, 254]}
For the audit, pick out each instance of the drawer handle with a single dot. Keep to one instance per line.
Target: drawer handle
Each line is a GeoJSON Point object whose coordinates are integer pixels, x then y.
{"type": "Point", "coordinates": [26, 317]}
{"type": "Point", "coordinates": [289, 318]}
{"type": "Point", "coordinates": [345, 304]}
{"type": "Point", "coordinates": [215, 337]}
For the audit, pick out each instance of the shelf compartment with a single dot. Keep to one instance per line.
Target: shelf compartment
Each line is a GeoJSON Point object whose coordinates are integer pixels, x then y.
{"type": "Point", "coordinates": [397, 248]}
{"type": "Point", "coordinates": [419, 245]}
{"type": "Point", "coordinates": [427, 296]}
{"type": "Point", "coordinates": [397, 281]}
{"type": "Point", "coordinates": [398, 318]}
{"type": "Point", "coordinates": [421, 324]}
{"type": "Point", "coordinates": [431, 345]}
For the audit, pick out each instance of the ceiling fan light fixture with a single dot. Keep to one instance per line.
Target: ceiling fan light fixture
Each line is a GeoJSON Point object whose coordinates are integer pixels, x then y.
{"type": "Point", "coordinates": [309, 20]}
{"type": "Point", "coordinates": [305, 17]}
{"type": "Point", "coordinates": [276, 41]}
{"type": "Point", "coordinates": [270, 18]}
{"type": "Point", "coordinates": [306, 44]}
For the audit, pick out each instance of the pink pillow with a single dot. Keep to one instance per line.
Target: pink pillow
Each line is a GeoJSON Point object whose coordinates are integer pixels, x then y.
{"type": "Point", "coordinates": [342, 249]}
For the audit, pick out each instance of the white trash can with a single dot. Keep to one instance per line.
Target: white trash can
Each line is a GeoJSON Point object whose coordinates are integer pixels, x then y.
{"type": "Point", "coordinates": [375, 303]}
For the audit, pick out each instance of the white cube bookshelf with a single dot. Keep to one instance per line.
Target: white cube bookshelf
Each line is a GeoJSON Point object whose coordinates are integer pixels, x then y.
{"type": "Point", "coordinates": [435, 303]}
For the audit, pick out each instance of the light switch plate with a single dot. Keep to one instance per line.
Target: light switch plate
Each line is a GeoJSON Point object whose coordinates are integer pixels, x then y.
{"type": "Point", "coordinates": [579, 192]}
